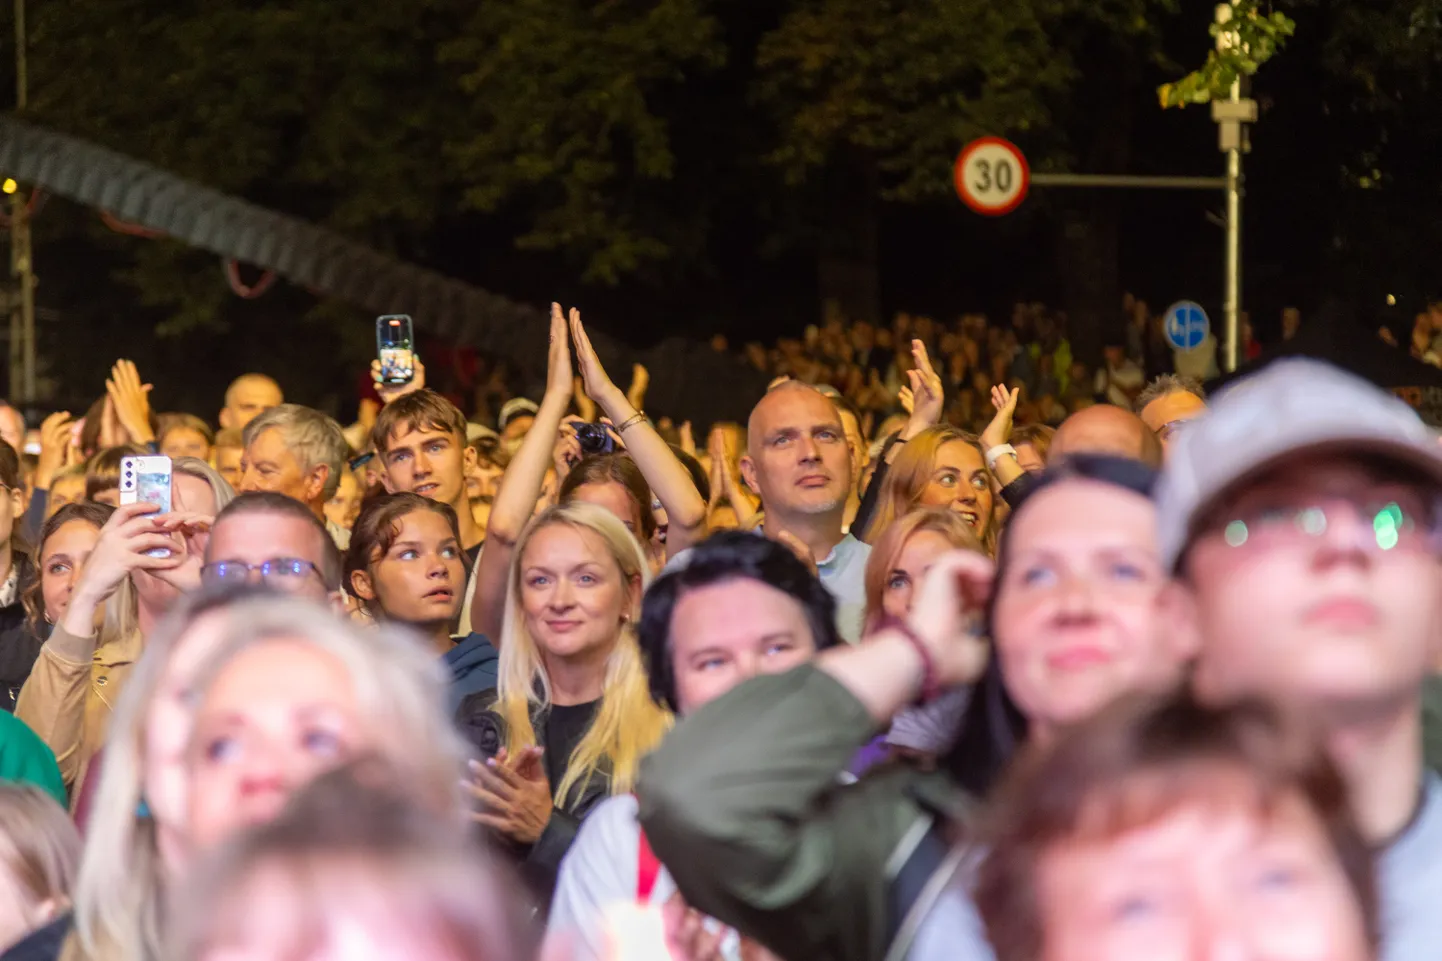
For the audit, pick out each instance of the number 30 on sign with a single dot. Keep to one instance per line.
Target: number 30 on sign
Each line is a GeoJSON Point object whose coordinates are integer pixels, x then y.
{"type": "Point", "coordinates": [992, 176]}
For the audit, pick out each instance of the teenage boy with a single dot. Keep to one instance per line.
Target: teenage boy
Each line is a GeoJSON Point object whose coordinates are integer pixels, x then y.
{"type": "Point", "coordinates": [1302, 517]}
{"type": "Point", "coordinates": [420, 441]}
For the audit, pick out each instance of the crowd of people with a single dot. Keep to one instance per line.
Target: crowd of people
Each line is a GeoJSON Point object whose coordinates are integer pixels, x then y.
{"type": "Point", "coordinates": [954, 650]}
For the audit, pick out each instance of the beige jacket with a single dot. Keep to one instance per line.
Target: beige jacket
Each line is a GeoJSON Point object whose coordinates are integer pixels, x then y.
{"type": "Point", "coordinates": [70, 693]}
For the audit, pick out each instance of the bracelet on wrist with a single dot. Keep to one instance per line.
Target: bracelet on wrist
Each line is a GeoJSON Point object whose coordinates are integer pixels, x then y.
{"type": "Point", "coordinates": [631, 421]}
{"type": "Point", "coordinates": [994, 454]}
{"type": "Point", "coordinates": [930, 684]}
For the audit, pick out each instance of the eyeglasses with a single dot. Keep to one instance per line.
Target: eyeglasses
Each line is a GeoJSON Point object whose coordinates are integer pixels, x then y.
{"type": "Point", "coordinates": [285, 573]}
{"type": "Point", "coordinates": [1399, 520]}
{"type": "Point", "coordinates": [1166, 431]}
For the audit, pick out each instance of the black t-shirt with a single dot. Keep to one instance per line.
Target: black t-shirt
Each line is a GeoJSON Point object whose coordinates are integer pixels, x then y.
{"type": "Point", "coordinates": [566, 725]}
{"type": "Point", "coordinates": [473, 554]}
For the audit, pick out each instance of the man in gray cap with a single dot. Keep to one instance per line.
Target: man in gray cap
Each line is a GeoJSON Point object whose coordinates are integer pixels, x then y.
{"type": "Point", "coordinates": [1302, 518]}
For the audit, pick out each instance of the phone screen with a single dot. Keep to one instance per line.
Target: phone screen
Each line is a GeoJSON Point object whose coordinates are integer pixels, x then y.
{"type": "Point", "coordinates": [145, 480]}
{"type": "Point", "coordinates": [395, 348]}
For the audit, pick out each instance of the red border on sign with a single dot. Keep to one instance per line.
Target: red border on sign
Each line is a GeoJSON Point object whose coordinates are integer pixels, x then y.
{"type": "Point", "coordinates": [960, 182]}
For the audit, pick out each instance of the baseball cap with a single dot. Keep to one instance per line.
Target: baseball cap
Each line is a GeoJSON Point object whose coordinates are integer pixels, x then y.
{"type": "Point", "coordinates": [1289, 407]}
{"type": "Point", "coordinates": [516, 407]}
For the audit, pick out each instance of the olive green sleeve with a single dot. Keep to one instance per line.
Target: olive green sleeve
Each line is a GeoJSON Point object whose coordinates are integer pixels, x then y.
{"type": "Point", "coordinates": [743, 805]}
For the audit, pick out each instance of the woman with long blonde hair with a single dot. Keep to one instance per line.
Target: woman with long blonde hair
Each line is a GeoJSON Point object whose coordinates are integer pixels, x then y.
{"type": "Point", "coordinates": [572, 715]}
{"type": "Point", "coordinates": [939, 467]}
{"type": "Point", "coordinates": [143, 561]}
{"type": "Point", "coordinates": [158, 804]}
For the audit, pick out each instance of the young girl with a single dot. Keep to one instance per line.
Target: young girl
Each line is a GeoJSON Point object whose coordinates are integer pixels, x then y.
{"type": "Point", "coordinates": [406, 566]}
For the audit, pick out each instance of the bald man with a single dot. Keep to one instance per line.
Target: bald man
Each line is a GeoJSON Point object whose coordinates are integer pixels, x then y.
{"type": "Point", "coordinates": [246, 397]}
{"type": "Point", "coordinates": [1102, 429]}
{"type": "Point", "coordinates": [798, 460]}
{"type": "Point", "coordinates": [1105, 429]}
{"type": "Point", "coordinates": [1168, 403]}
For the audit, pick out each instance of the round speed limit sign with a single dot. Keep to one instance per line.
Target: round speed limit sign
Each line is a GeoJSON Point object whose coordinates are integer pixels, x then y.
{"type": "Point", "coordinates": [992, 176]}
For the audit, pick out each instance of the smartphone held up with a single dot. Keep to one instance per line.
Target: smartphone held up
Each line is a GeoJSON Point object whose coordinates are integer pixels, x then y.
{"type": "Point", "coordinates": [395, 347]}
{"type": "Point", "coordinates": [147, 480]}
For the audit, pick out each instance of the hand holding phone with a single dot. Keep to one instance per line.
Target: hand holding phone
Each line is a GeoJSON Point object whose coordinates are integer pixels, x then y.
{"type": "Point", "coordinates": [395, 349]}
{"type": "Point", "coordinates": [147, 480]}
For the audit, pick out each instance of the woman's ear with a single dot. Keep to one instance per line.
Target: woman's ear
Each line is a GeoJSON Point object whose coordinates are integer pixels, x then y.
{"type": "Point", "coordinates": [361, 586]}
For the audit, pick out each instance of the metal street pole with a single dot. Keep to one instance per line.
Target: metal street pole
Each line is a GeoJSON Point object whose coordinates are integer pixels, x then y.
{"type": "Point", "coordinates": [1232, 115]}
{"type": "Point", "coordinates": [22, 318]}
{"type": "Point", "coordinates": [1232, 296]}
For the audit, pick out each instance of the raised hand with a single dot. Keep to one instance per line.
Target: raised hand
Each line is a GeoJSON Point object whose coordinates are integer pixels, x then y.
{"type": "Point", "coordinates": [130, 401]}
{"type": "Point", "coordinates": [640, 380]}
{"type": "Point", "coordinates": [599, 385]}
{"type": "Point", "coordinates": [558, 360]}
{"type": "Point", "coordinates": [999, 429]}
{"type": "Point", "coordinates": [390, 393]}
{"type": "Point", "coordinates": [948, 613]}
{"type": "Point", "coordinates": [928, 399]}
{"type": "Point", "coordinates": [55, 437]}
{"type": "Point", "coordinates": [567, 451]}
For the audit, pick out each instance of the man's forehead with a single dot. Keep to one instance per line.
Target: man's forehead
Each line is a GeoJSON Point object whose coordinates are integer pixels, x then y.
{"type": "Point", "coordinates": [260, 535]}
{"type": "Point", "coordinates": [407, 433]}
{"type": "Point", "coordinates": [790, 406]}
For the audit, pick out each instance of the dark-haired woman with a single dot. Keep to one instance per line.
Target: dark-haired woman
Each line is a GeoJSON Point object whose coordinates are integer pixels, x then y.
{"type": "Point", "coordinates": [405, 565]}
{"type": "Point", "coordinates": [742, 606]}
{"type": "Point", "coordinates": [741, 803]}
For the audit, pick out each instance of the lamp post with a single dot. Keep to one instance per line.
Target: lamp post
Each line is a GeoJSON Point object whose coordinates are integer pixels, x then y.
{"type": "Point", "coordinates": [1232, 115]}
{"type": "Point", "coordinates": [22, 267]}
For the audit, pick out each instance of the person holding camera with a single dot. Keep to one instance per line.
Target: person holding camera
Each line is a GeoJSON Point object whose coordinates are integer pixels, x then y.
{"type": "Point", "coordinates": [612, 487]}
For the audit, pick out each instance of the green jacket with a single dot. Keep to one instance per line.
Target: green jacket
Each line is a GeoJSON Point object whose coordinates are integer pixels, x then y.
{"type": "Point", "coordinates": [26, 759]}
{"type": "Point", "coordinates": [742, 804]}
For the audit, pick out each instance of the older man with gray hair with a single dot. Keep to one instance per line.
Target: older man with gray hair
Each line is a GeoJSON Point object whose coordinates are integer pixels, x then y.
{"type": "Point", "coordinates": [298, 452]}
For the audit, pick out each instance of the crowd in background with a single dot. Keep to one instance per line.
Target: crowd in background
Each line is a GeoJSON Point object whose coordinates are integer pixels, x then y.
{"type": "Point", "coordinates": [956, 648]}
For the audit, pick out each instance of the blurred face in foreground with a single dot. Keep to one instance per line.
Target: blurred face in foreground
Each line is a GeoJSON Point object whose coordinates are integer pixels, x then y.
{"type": "Point", "coordinates": [1075, 618]}
{"type": "Point", "coordinates": [1337, 558]}
{"type": "Point", "coordinates": [278, 714]}
{"type": "Point", "coordinates": [1206, 881]}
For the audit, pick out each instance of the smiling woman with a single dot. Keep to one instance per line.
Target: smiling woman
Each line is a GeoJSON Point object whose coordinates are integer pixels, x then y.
{"type": "Point", "coordinates": [572, 715]}
{"type": "Point", "coordinates": [940, 467]}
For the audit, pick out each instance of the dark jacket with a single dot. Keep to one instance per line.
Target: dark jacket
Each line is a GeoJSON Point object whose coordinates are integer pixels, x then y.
{"type": "Point", "coordinates": [472, 665]}
{"type": "Point", "coordinates": [741, 803]}
{"type": "Point", "coordinates": [43, 944]}
{"type": "Point", "coordinates": [18, 646]}
{"type": "Point", "coordinates": [540, 862]}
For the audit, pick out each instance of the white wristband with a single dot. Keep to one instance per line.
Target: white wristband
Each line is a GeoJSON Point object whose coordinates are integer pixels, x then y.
{"type": "Point", "coordinates": [996, 453]}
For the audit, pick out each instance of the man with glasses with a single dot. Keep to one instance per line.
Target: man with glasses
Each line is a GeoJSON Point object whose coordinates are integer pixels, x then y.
{"type": "Point", "coordinates": [274, 539]}
{"type": "Point", "coordinates": [1168, 403]}
{"type": "Point", "coordinates": [1301, 519]}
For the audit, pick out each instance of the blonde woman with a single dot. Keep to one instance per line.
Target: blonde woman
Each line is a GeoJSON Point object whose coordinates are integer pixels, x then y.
{"type": "Point", "coordinates": [939, 467]}
{"type": "Point", "coordinates": [141, 838]}
{"type": "Point", "coordinates": [353, 859]}
{"type": "Point", "coordinates": [39, 849]}
{"type": "Point", "coordinates": [120, 596]}
{"type": "Point", "coordinates": [572, 715]}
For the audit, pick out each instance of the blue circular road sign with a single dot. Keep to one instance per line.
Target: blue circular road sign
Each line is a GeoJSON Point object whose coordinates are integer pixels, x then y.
{"type": "Point", "coordinates": [1186, 325]}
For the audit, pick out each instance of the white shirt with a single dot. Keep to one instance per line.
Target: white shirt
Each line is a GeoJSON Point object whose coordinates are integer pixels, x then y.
{"type": "Point", "coordinates": [598, 881]}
